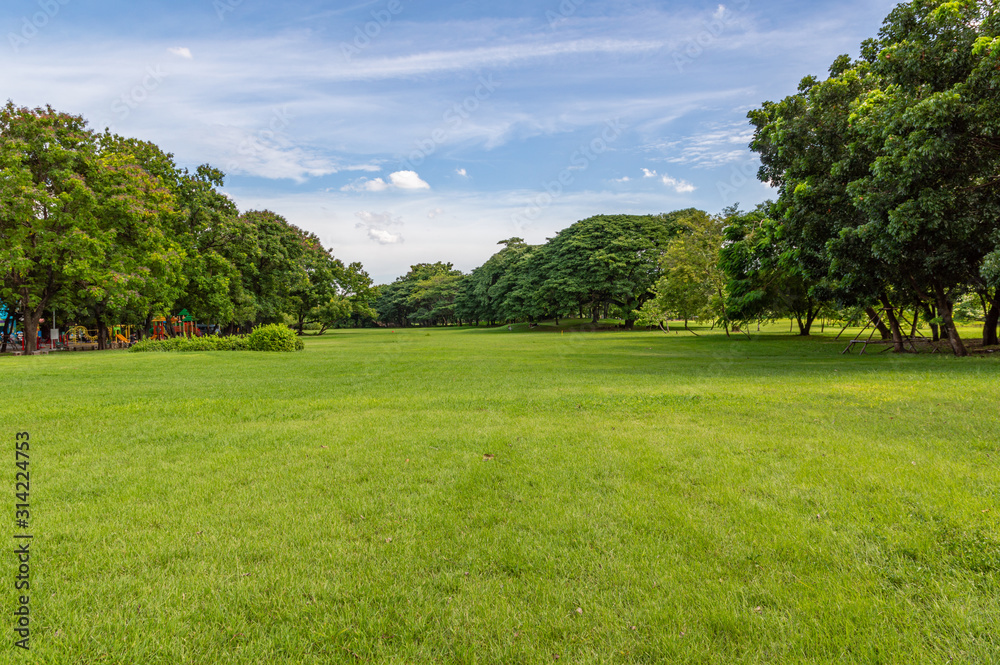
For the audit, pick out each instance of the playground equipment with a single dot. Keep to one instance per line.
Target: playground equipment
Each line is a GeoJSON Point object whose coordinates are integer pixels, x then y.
{"type": "Point", "coordinates": [182, 325]}
{"type": "Point", "coordinates": [79, 338]}
{"type": "Point", "coordinates": [80, 335]}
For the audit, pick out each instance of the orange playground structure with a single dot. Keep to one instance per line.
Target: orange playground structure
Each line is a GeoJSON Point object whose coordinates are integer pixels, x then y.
{"type": "Point", "coordinates": [183, 325]}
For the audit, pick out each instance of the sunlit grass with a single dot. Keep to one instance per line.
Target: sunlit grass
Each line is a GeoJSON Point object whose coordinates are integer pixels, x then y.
{"type": "Point", "coordinates": [459, 496]}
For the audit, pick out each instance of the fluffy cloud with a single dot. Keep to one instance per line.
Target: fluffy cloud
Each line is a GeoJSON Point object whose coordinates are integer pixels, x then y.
{"type": "Point", "coordinates": [462, 172]}
{"type": "Point", "coordinates": [405, 180]}
{"type": "Point", "coordinates": [182, 51]}
{"type": "Point", "coordinates": [679, 186]}
{"type": "Point", "coordinates": [646, 173]}
{"type": "Point", "coordinates": [377, 225]}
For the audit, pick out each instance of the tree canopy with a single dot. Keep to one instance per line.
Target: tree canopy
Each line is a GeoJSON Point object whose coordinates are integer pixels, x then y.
{"type": "Point", "coordinates": [111, 231]}
{"type": "Point", "coordinates": [889, 170]}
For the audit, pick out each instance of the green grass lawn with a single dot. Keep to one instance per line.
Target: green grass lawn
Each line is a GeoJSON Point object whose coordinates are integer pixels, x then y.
{"type": "Point", "coordinates": [474, 496]}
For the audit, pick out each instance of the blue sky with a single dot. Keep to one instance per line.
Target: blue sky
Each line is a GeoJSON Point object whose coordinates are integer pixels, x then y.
{"type": "Point", "coordinates": [404, 131]}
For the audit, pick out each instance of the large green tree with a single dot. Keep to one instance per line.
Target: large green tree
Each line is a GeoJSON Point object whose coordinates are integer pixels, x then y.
{"type": "Point", "coordinates": [691, 284]}
{"type": "Point", "coordinates": [764, 273]}
{"type": "Point", "coordinates": [932, 193]}
{"type": "Point", "coordinates": [424, 295]}
{"type": "Point", "coordinates": [51, 238]}
{"type": "Point", "coordinates": [606, 260]}
{"type": "Point", "coordinates": [887, 171]}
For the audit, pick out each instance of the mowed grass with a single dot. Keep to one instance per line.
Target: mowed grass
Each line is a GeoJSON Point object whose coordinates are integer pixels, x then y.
{"type": "Point", "coordinates": [474, 496]}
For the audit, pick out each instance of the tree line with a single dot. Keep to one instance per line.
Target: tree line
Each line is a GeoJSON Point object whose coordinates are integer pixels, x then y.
{"type": "Point", "coordinates": [596, 266]}
{"type": "Point", "coordinates": [888, 175]}
{"type": "Point", "coordinates": [888, 210]}
{"type": "Point", "coordinates": [108, 230]}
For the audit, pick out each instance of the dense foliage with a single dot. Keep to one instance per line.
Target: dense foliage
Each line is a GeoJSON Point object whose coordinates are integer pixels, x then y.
{"type": "Point", "coordinates": [889, 170]}
{"type": "Point", "coordinates": [273, 338]}
{"type": "Point", "coordinates": [108, 230]}
{"type": "Point", "coordinates": [595, 265]}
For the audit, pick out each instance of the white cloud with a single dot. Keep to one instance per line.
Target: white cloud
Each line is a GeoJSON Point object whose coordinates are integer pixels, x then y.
{"type": "Point", "coordinates": [366, 185]}
{"type": "Point", "coordinates": [717, 144]}
{"type": "Point", "coordinates": [434, 213]}
{"type": "Point", "coordinates": [625, 179]}
{"type": "Point", "coordinates": [383, 237]}
{"type": "Point", "coordinates": [462, 172]}
{"type": "Point", "coordinates": [182, 51]}
{"type": "Point", "coordinates": [407, 180]}
{"type": "Point", "coordinates": [679, 186]}
{"type": "Point", "coordinates": [404, 180]}
{"type": "Point", "coordinates": [648, 174]}
{"type": "Point", "coordinates": [377, 225]}
{"type": "Point", "coordinates": [435, 62]}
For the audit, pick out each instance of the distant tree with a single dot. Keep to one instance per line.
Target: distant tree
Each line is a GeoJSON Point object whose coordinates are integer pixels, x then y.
{"type": "Point", "coordinates": [357, 288]}
{"type": "Point", "coordinates": [691, 284]}
{"type": "Point", "coordinates": [417, 295]}
{"type": "Point", "coordinates": [485, 293]}
{"type": "Point", "coordinates": [764, 272]}
{"type": "Point", "coordinates": [605, 260]}
{"type": "Point", "coordinates": [433, 298]}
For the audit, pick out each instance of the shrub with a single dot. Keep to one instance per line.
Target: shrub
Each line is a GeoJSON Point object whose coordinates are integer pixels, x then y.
{"type": "Point", "coordinates": [275, 337]}
{"type": "Point", "coordinates": [180, 344]}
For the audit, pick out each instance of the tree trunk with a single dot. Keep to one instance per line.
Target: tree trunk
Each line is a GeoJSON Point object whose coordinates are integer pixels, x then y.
{"type": "Point", "coordinates": [947, 323]}
{"type": "Point", "coordinates": [102, 330]}
{"type": "Point", "coordinates": [873, 316]}
{"type": "Point", "coordinates": [31, 331]}
{"type": "Point", "coordinates": [931, 315]}
{"type": "Point", "coordinates": [990, 337]}
{"type": "Point", "coordinates": [897, 333]}
{"type": "Point", "coordinates": [8, 325]}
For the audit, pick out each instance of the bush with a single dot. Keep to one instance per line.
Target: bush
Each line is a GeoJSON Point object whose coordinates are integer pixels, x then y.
{"type": "Point", "coordinates": [181, 344]}
{"type": "Point", "coordinates": [275, 337]}
{"type": "Point", "coordinates": [266, 338]}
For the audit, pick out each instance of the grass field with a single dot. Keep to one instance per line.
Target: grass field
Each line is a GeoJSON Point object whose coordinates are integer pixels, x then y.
{"type": "Point", "coordinates": [474, 496]}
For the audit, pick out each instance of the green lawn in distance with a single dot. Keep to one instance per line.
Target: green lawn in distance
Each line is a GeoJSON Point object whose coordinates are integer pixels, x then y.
{"type": "Point", "coordinates": [485, 496]}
